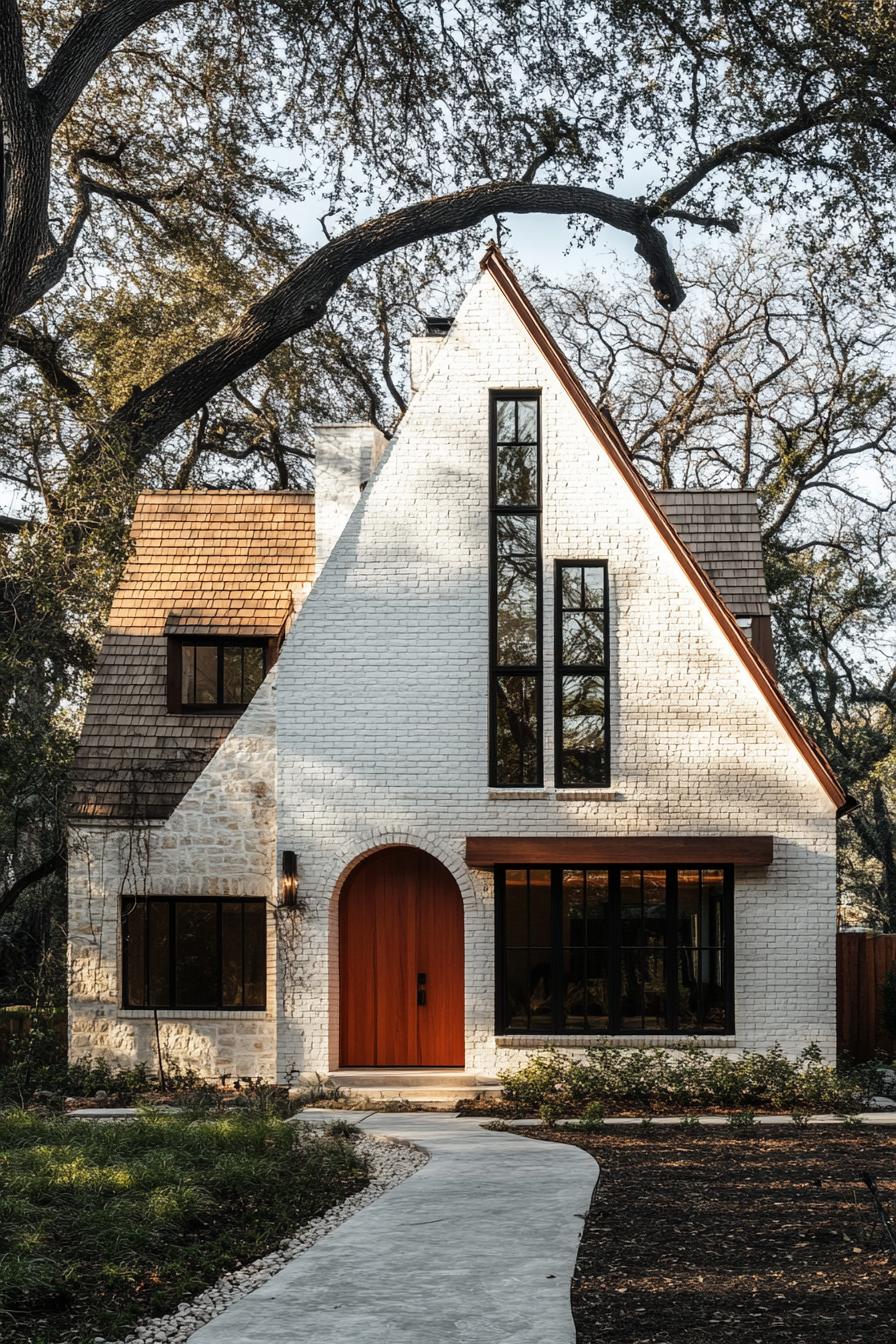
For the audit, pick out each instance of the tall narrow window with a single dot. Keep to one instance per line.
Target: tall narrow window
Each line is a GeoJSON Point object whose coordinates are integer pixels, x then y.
{"type": "Point", "coordinates": [515, 681]}
{"type": "Point", "coordinates": [581, 656]}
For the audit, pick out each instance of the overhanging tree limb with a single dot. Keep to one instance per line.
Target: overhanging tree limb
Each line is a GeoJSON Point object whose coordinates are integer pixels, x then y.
{"type": "Point", "coordinates": [95, 35]}
{"type": "Point", "coordinates": [43, 351]}
{"type": "Point", "coordinates": [300, 300]}
{"type": "Point", "coordinates": [8, 898]}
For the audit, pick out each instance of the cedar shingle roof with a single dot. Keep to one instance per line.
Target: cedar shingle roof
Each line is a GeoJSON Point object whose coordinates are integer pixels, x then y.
{"type": "Point", "coordinates": [211, 562]}
{"type": "Point", "coordinates": [721, 530]}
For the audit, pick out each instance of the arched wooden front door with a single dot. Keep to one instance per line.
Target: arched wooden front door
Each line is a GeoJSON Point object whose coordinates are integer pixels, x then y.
{"type": "Point", "coordinates": [401, 963]}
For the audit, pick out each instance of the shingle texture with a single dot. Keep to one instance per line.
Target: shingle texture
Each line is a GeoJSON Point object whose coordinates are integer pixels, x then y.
{"type": "Point", "coordinates": [212, 562]}
{"type": "Point", "coordinates": [721, 530]}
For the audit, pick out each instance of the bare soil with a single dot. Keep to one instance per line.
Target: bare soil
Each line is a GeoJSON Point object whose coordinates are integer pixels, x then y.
{"type": "Point", "coordinates": [717, 1238]}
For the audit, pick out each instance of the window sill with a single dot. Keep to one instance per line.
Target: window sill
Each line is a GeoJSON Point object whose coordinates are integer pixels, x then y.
{"type": "Point", "coordinates": [535, 792]}
{"type": "Point", "coordinates": [632, 1042]}
{"type": "Point", "coordinates": [599, 793]}
{"type": "Point", "coordinates": [195, 1015]}
{"type": "Point", "coordinates": [595, 795]}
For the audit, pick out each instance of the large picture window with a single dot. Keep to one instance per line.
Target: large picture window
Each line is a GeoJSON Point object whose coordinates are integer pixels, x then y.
{"type": "Point", "coordinates": [516, 662]}
{"type": "Point", "coordinates": [619, 950]}
{"type": "Point", "coordinates": [581, 656]}
{"type": "Point", "coordinates": [185, 953]}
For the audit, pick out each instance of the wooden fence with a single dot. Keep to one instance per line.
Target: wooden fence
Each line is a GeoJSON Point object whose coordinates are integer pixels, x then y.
{"type": "Point", "coordinates": [863, 960]}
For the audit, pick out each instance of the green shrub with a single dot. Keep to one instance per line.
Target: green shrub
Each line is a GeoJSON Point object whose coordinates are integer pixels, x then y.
{"type": "Point", "coordinates": [744, 1121]}
{"type": "Point", "coordinates": [689, 1079]}
{"type": "Point", "coordinates": [103, 1224]}
{"type": "Point", "coordinates": [592, 1118]}
{"type": "Point", "coordinates": [549, 1113]}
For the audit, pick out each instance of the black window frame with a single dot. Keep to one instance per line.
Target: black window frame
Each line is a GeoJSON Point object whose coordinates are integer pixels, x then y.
{"type": "Point", "coordinates": [128, 907]}
{"type": "Point", "coordinates": [496, 670]}
{"type": "Point", "coordinates": [562, 669]}
{"type": "Point", "coordinates": [176, 646]}
{"type": "Point", "coordinates": [614, 961]}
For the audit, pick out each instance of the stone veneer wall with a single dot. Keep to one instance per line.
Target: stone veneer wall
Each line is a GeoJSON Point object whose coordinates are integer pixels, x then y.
{"type": "Point", "coordinates": [219, 841]}
{"type": "Point", "coordinates": [382, 713]}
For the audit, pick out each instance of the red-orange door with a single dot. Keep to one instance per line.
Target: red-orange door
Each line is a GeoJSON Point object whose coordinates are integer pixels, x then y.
{"type": "Point", "coordinates": [401, 963]}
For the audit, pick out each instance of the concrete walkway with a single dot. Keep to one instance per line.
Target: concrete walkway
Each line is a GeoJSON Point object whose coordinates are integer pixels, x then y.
{"type": "Point", "coordinates": [479, 1245]}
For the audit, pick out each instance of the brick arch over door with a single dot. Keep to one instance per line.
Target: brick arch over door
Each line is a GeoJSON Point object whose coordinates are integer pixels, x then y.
{"type": "Point", "coordinates": [401, 963]}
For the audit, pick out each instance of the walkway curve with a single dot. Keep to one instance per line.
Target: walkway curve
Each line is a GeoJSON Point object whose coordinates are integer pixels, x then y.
{"type": "Point", "coordinates": [478, 1245]}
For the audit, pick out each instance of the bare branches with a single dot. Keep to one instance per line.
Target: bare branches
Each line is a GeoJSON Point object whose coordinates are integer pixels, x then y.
{"type": "Point", "coordinates": [766, 144]}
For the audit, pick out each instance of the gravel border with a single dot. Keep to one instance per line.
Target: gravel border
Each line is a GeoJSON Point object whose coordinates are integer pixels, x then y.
{"type": "Point", "coordinates": [390, 1162]}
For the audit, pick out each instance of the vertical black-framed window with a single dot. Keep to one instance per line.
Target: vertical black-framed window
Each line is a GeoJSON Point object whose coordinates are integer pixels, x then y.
{"type": "Point", "coordinates": [618, 949]}
{"type": "Point", "coordinates": [180, 952]}
{"type": "Point", "coordinates": [515, 681]}
{"type": "Point", "coordinates": [581, 654]}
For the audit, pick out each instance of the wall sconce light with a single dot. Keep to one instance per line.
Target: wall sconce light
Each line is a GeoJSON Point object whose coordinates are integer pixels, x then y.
{"type": "Point", "coordinates": [289, 881]}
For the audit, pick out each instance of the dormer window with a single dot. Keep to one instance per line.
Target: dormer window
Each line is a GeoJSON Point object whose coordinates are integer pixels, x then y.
{"type": "Point", "coordinates": [215, 674]}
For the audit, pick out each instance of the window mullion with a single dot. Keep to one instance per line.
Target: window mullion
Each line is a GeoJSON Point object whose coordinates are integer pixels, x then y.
{"type": "Point", "coordinates": [558, 1016]}
{"type": "Point", "coordinates": [172, 954]}
{"type": "Point", "coordinates": [728, 950]}
{"type": "Point", "coordinates": [614, 953]}
{"type": "Point", "coordinates": [672, 1013]}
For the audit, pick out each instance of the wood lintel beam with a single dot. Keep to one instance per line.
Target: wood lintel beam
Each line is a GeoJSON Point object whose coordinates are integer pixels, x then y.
{"type": "Point", "coordinates": [743, 851]}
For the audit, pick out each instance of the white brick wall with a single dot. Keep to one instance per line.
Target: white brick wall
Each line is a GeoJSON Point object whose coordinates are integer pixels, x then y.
{"type": "Point", "coordinates": [382, 728]}
{"type": "Point", "coordinates": [383, 701]}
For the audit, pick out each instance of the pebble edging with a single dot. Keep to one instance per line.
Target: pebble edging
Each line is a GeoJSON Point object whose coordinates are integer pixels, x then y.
{"type": "Point", "coordinates": [390, 1162]}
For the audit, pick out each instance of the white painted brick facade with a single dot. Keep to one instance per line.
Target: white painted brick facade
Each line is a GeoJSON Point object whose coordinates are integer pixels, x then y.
{"type": "Point", "coordinates": [381, 730]}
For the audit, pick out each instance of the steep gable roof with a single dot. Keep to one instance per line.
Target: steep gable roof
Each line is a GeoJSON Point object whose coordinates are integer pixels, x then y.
{"type": "Point", "coordinates": [605, 431]}
{"type": "Point", "coordinates": [204, 562]}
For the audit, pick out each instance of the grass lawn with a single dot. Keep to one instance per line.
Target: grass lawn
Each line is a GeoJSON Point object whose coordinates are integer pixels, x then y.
{"type": "Point", "coordinates": [101, 1224]}
{"type": "Point", "coordinates": [713, 1238]}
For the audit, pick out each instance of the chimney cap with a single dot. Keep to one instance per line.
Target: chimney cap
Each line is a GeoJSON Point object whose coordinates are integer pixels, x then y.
{"type": "Point", "coordinates": [438, 326]}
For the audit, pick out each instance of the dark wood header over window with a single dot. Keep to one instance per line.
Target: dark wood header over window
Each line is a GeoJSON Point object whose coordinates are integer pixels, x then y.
{"type": "Point", "coordinates": [743, 851]}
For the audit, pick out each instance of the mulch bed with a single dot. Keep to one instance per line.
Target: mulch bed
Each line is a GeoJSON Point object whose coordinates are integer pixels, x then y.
{"type": "Point", "coordinates": [711, 1236]}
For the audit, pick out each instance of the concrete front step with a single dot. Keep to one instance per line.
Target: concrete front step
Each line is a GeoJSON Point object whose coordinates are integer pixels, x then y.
{"type": "Point", "coordinates": [409, 1078]}
{"type": "Point", "coordinates": [441, 1089]}
{"type": "Point", "coordinates": [420, 1094]}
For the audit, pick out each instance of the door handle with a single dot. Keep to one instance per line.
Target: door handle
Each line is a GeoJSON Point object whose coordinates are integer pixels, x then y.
{"type": "Point", "coordinates": [421, 987]}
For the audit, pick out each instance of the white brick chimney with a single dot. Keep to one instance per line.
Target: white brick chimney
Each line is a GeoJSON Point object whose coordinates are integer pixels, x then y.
{"type": "Point", "coordinates": [423, 349]}
{"type": "Point", "coordinates": [345, 456]}
{"type": "Point", "coordinates": [421, 352]}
